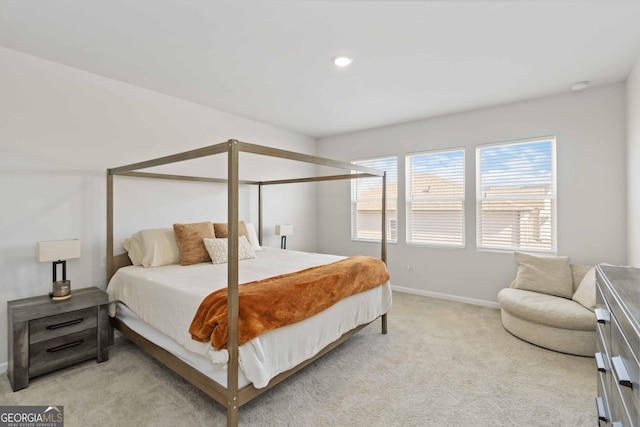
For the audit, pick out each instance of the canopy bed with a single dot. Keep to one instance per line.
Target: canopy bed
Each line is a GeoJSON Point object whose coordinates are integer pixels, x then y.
{"type": "Point", "coordinates": [234, 347]}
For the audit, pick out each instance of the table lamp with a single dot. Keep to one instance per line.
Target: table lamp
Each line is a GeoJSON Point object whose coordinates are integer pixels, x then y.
{"type": "Point", "coordinates": [59, 251]}
{"type": "Point", "coordinates": [284, 230]}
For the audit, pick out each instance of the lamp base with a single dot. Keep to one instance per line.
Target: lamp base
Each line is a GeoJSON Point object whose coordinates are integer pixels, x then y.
{"type": "Point", "coordinates": [61, 290]}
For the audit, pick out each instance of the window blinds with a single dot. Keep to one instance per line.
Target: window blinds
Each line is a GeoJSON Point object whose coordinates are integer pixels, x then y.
{"type": "Point", "coordinates": [435, 198]}
{"type": "Point", "coordinates": [366, 201]}
{"type": "Point", "coordinates": [516, 195]}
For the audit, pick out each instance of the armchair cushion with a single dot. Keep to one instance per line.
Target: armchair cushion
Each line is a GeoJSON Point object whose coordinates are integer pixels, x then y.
{"type": "Point", "coordinates": [547, 275]}
{"type": "Point", "coordinates": [548, 310]}
{"type": "Point", "coordinates": [586, 292]}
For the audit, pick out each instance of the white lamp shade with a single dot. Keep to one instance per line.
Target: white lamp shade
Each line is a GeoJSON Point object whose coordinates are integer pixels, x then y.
{"type": "Point", "coordinates": [284, 230]}
{"type": "Point", "coordinates": [54, 250]}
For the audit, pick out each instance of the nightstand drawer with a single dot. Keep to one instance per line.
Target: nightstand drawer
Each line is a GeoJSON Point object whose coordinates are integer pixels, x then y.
{"type": "Point", "coordinates": [62, 351]}
{"type": "Point", "coordinates": [62, 324]}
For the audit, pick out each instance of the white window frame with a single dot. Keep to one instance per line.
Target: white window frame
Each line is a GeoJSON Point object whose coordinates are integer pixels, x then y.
{"type": "Point", "coordinates": [356, 233]}
{"type": "Point", "coordinates": [457, 240]}
{"type": "Point", "coordinates": [531, 233]}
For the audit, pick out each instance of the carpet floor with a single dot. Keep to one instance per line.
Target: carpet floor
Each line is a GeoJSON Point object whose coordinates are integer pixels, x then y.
{"type": "Point", "coordinates": [442, 363]}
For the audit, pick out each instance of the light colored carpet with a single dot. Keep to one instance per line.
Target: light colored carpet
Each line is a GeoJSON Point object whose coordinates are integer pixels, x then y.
{"type": "Point", "coordinates": [441, 364]}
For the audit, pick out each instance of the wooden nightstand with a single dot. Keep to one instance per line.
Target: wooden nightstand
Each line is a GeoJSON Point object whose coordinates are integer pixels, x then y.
{"type": "Point", "coordinates": [45, 335]}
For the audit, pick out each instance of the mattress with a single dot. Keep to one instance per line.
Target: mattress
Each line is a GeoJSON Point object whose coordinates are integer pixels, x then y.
{"type": "Point", "coordinates": [159, 303]}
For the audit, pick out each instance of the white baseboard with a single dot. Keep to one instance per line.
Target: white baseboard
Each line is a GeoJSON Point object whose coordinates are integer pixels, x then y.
{"type": "Point", "coordinates": [3, 367]}
{"type": "Point", "coordinates": [438, 295]}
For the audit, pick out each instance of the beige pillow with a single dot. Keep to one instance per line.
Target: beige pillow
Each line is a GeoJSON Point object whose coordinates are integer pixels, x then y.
{"type": "Point", "coordinates": [218, 249]}
{"type": "Point", "coordinates": [222, 230]}
{"type": "Point", "coordinates": [586, 292]}
{"type": "Point", "coordinates": [133, 246]}
{"type": "Point", "coordinates": [159, 247]}
{"type": "Point", "coordinates": [153, 247]}
{"type": "Point", "coordinates": [189, 238]}
{"type": "Point", "coordinates": [547, 275]}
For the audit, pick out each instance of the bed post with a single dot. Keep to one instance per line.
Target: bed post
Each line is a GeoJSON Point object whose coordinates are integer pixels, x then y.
{"type": "Point", "coordinates": [232, 284]}
{"type": "Point", "coordinates": [383, 255]}
{"type": "Point", "coordinates": [110, 263]}
{"type": "Point", "coordinates": [110, 260]}
{"type": "Point", "coordinates": [383, 240]}
{"type": "Point", "coordinates": [260, 213]}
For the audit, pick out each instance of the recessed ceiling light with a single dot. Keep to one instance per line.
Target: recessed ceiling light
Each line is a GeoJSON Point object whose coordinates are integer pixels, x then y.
{"type": "Point", "coordinates": [342, 61]}
{"type": "Point", "coordinates": [579, 85]}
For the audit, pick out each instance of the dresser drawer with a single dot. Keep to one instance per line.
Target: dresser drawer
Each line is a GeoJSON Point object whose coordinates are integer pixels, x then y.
{"type": "Point", "coordinates": [62, 351]}
{"type": "Point", "coordinates": [62, 324]}
{"type": "Point", "coordinates": [626, 372]}
{"type": "Point", "coordinates": [619, 415]}
{"type": "Point", "coordinates": [603, 399]}
{"type": "Point", "coordinates": [603, 317]}
{"type": "Point", "coordinates": [626, 327]}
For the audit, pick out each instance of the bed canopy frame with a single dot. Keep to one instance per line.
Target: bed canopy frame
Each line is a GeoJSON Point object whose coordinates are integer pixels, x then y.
{"type": "Point", "coordinates": [231, 397]}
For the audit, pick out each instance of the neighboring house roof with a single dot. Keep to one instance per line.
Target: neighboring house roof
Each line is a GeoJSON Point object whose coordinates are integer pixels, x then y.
{"type": "Point", "coordinates": [428, 186]}
{"type": "Point", "coordinates": [375, 193]}
{"type": "Point", "coordinates": [520, 203]}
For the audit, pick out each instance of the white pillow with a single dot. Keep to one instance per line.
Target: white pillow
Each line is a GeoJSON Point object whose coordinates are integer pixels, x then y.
{"type": "Point", "coordinates": [159, 247]}
{"type": "Point", "coordinates": [253, 237]}
{"type": "Point", "coordinates": [218, 249]}
{"type": "Point", "coordinates": [586, 292]}
{"type": "Point", "coordinates": [133, 246]}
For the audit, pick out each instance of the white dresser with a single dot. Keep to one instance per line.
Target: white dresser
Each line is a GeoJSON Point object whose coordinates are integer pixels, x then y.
{"type": "Point", "coordinates": [618, 356]}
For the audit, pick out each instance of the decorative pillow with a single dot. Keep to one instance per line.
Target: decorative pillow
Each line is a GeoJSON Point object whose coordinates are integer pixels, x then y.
{"type": "Point", "coordinates": [547, 275]}
{"type": "Point", "coordinates": [133, 246]}
{"type": "Point", "coordinates": [222, 229]}
{"type": "Point", "coordinates": [219, 249]}
{"type": "Point", "coordinates": [586, 292]}
{"type": "Point", "coordinates": [189, 238]}
{"type": "Point", "coordinates": [253, 237]}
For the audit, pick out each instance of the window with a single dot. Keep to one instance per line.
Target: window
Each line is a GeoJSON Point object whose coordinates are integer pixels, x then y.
{"type": "Point", "coordinates": [516, 195]}
{"type": "Point", "coordinates": [366, 201]}
{"type": "Point", "coordinates": [393, 230]}
{"type": "Point", "coordinates": [435, 198]}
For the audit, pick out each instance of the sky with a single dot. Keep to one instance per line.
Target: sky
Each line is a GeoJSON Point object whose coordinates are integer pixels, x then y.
{"type": "Point", "coordinates": [527, 163]}
{"type": "Point", "coordinates": [517, 164]}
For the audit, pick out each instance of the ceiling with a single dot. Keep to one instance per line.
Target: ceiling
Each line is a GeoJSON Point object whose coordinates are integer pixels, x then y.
{"type": "Point", "coordinates": [270, 60]}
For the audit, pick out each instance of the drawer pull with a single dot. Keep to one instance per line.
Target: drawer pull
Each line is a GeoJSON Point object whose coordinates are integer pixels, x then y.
{"type": "Point", "coordinates": [602, 315]}
{"type": "Point", "coordinates": [600, 363]}
{"type": "Point", "coordinates": [64, 346]}
{"type": "Point", "coordinates": [602, 415]}
{"type": "Point", "coordinates": [621, 371]}
{"type": "Point", "coordinates": [65, 324]}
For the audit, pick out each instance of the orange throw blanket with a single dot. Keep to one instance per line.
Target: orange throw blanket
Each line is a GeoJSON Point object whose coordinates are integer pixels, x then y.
{"type": "Point", "coordinates": [268, 304]}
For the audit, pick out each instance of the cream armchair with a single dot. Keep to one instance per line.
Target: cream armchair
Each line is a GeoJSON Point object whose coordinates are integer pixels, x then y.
{"type": "Point", "coordinates": [551, 304]}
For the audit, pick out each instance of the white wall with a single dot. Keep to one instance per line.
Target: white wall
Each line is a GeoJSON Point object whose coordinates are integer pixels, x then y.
{"type": "Point", "coordinates": [633, 165]}
{"type": "Point", "coordinates": [61, 128]}
{"type": "Point", "coordinates": [590, 131]}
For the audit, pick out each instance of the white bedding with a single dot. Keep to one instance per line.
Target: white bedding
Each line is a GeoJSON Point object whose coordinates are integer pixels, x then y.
{"type": "Point", "coordinates": [167, 298]}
